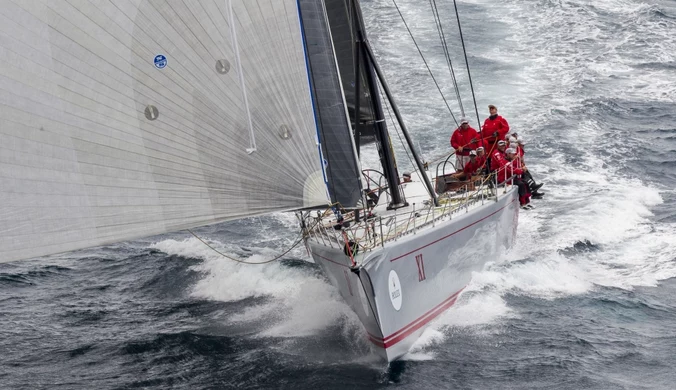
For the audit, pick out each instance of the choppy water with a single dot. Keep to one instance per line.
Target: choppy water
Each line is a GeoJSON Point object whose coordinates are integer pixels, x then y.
{"type": "Point", "coordinates": [585, 300]}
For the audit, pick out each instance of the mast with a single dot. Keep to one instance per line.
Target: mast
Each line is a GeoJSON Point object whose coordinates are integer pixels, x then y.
{"type": "Point", "coordinates": [357, 100]}
{"type": "Point", "coordinates": [400, 120]}
{"type": "Point", "coordinates": [384, 145]}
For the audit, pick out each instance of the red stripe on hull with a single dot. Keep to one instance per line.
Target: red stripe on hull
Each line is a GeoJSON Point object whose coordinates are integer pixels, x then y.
{"type": "Point", "coordinates": [418, 323]}
{"type": "Point", "coordinates": [375, 341]}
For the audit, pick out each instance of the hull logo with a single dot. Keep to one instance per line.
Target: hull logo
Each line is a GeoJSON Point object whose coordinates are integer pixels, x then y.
{"type": "Point", "coordinates": [395, 290]}
{"type": "Point", "coordinates": [160, 61]}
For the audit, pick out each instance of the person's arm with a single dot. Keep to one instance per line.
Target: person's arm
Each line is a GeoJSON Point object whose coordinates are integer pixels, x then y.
{"type": "Point", "coordinates": [455, 141]}
{"type": "Point", "coordinates": [513, 168]}
{"type": "Point", "coordinates": [503, 128]}
{"type": "Point", "coordinates": [474, 140]}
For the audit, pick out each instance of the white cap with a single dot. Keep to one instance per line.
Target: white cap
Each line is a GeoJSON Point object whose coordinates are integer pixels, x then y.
{"type": "Point", "coordinates": [501, 142]}
{"type": "Point", "coordinates": [472, 152]}
{"type": "Point", "coordinates": [512, 140]}
{"type": "Point", "coordinates": [480, 149]}
{"type": "Point", "coordinates": [521, 141]}
{"type": "Point", "coordinates": [510, 150]}
{"type": "Point", "coordinates": [464, 120]}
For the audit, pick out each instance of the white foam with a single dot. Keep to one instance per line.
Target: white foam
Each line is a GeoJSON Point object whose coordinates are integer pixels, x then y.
{"type": "Point", "coordinates": [422, 349]}
{"type": "Point", "coordinates": [418, 356]}
{"type": "Point", "coordinates": [474, 309]}
{"type": "Point", "coordinates": [298, 301]}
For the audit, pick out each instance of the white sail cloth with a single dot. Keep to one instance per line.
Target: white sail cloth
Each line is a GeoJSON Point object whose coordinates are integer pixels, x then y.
{"type": "Point", "coordinates": [124, 119]}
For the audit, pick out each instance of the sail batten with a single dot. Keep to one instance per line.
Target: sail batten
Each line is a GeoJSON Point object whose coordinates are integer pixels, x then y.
{"type": "Point", "coordinates": [120, 120]}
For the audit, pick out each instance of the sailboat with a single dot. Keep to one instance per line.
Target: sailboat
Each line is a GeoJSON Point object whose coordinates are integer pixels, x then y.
{"type": "Point", "coordinates": [121, 120]}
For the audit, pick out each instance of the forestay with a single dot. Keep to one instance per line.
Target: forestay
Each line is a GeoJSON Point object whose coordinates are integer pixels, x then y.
{"type": "Point", "coordinates": [124, 119]}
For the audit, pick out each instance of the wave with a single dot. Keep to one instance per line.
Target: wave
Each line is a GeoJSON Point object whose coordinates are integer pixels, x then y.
{"type": "Point", "coordinates": [29, 277]}
{"type": "Point", "coordinates": [299, 300]}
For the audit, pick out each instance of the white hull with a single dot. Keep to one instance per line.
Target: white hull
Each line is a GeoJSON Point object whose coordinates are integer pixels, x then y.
{"type": "Point", "coordinates": [402, 285]}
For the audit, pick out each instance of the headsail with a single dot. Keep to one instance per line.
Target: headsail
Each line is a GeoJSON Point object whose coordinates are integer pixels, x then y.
{"type": "Point", "coordinates": [121, 120]}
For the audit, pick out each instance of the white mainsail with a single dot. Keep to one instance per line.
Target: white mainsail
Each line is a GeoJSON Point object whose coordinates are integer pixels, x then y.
{"type": "Point", "coordinates": [124, 119]}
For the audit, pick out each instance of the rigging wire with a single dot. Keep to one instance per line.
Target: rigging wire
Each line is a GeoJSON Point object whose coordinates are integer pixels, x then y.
{"type": "Point", "coordinates": [469, 75]}
{"type": "Point", "coordinates": [295, 244]}
{"type": "Point", "coordinates": [396, 129]}
{"type": "Point", "coordinates": [442, 38]}
{"type": "Point", "coordinates": [425, 61]}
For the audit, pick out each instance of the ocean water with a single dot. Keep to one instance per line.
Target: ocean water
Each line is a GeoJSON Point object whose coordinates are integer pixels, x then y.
{"type": "Point", "coordinates": [585, 300]}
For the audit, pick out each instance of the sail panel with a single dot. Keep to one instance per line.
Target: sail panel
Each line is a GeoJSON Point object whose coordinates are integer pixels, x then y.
{"type": "Point", "coordinates": [342, 166]}
{"type": "Point", "coordinates": [121, 120]}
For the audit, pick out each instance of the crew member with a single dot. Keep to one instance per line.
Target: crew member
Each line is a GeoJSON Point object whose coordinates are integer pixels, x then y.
{"type": "Point", "coordinates": [494, 129]}
{"type": "Point", "coordinates": [498, 156]}
{"type": "Point", "coordinates": [464, 139]}
{"type": "Point", "coordinates": [508, 168]}
{"type": "Point", "coordinates": [527, 177]}
{"type": "Point", "coordinates": [473, 165]}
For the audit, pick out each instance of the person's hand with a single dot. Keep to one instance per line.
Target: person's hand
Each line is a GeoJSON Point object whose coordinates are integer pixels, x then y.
{"type": "Point", "coordinates": [458, 150]}
{"type": "Point", "coordinates": [474, 140]}
{"type": "Point", "coordinates": [495, 134]}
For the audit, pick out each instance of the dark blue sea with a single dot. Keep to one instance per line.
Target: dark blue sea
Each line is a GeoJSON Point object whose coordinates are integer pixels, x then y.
{"type": "Point", "coordinates": [585, 300]}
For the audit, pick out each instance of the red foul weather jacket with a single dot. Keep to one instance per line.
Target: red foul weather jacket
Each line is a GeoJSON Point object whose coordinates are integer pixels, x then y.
{"type": "Point", "coordinates": [463, 138]}
{"type": "Point", "coordinates": [497, 160]}
{"type": "Point", "coordinates": [472, 167]}
{"type": "Point", "coordinates": [491, 125]}
{"type": "Point", "coordinates": [507, 169]}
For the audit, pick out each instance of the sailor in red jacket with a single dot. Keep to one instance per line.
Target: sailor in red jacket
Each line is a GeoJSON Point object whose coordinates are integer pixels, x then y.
{"type": "Point", "coordinates": [464, 139]}
{"type": "Point", "coordinates": [494, 129]}
{"type": "Point", "coordinates": [527, 177]}
{"type": "Point", "coordinates": [498, 156]}
{"type": "Point", "coordinates": [509, 169]}
{"type": "Point", "coordinates": [481, 158]}
{"type": "Point", "coordinates": [473, 165]}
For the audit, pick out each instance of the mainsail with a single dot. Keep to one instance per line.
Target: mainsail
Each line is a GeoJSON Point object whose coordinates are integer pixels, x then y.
{"type": "Point", "coordinates": [126, 119]}
{"type": "Point", "coordinates": [342, 165]}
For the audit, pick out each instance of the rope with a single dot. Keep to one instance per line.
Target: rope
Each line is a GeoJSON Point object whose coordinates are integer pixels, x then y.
{"type": "Point", "coordinates": [445, 156]}
{"type": "Point", "coordinates": [427, 66]}
{"type": "Point", "coordinates": [442, 37]}
{"type": "Point", "coordinates": [295, 244]}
